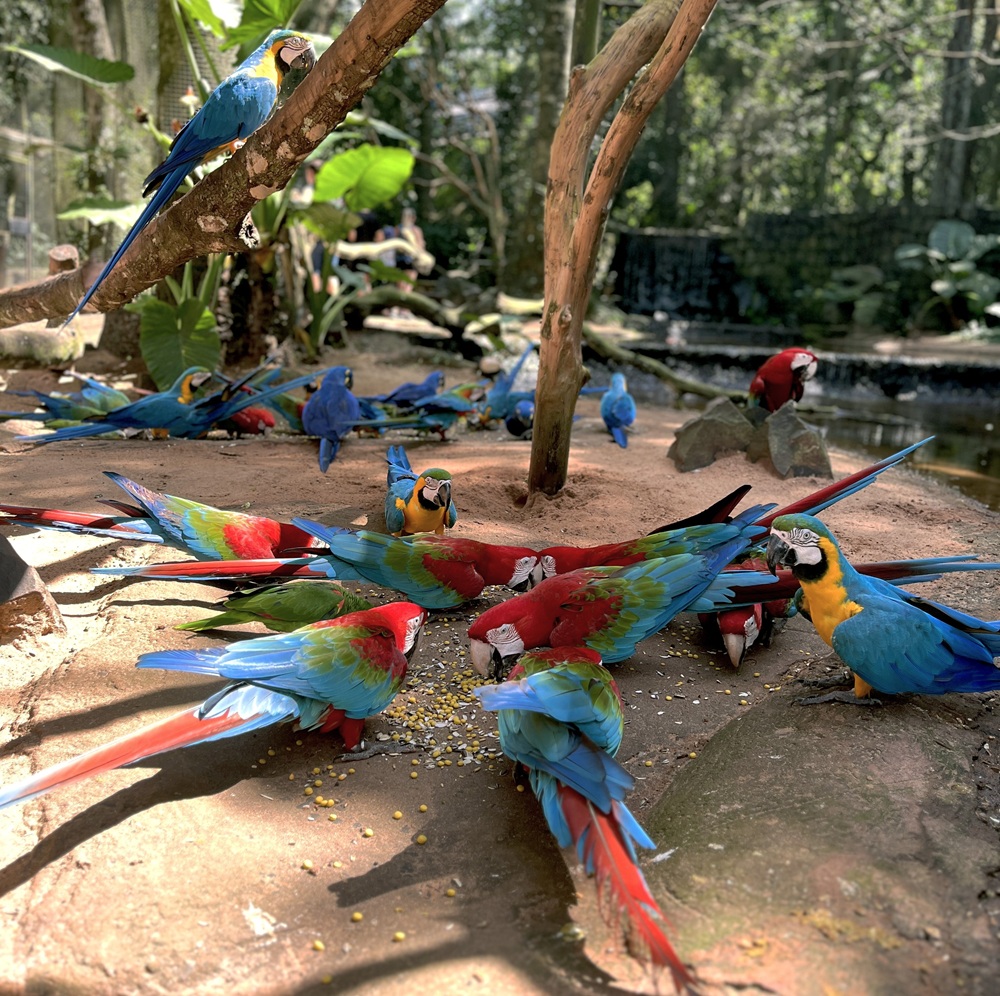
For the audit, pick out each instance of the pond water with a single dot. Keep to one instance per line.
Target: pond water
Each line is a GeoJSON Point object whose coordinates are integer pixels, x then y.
{"type": "Point", "coordinates": [872, 405]}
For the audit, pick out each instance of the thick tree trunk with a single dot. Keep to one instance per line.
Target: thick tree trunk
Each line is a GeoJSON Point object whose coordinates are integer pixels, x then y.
{"type": "Point", "coordinates": [210, 218]}
{"type": "Point", "coordinates": [662, 33]}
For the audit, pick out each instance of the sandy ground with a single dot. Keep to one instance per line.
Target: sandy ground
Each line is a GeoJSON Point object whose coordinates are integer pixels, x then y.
{"type": "Point", "coordinates": [209, 869]}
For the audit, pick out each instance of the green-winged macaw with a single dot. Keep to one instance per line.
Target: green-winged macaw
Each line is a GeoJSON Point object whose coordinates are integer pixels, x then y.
{"type": "Point", "coordinates": [559, 715]}
{"type": "Point", "coordinates": [417, 503]}
{"type": "Point", "coordinates": [331, 675]}
{"type": "Point", "coordinates": [234, 110]}
{"type": "Point", "coordinates": [893, 641]}
{"type": "Point", "coordinates": [209, 533]}
{"type": "Point", "coordinates": [782, 378]}
{"type": "Point", "coordinates": [283, 607]}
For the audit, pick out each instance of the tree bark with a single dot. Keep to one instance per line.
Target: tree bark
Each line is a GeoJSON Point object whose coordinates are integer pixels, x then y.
{"type": "Point", "coordinates": [211, 217]}
{"type": "Point", "coordinates": [662, 33]}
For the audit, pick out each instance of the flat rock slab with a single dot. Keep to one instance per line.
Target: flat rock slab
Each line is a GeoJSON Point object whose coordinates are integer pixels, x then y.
{"type": "Point", "coordinates": [836, 849]}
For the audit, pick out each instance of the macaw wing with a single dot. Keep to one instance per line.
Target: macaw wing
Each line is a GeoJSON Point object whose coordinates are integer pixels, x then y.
{"type": "Point", "coordinates": [395, 504]}
{"type": "Point", "coordinates": [897, 645]}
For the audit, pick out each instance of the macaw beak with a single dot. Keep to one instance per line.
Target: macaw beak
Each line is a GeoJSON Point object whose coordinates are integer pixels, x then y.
{"type": "Point", "coordinates": [443, 497]}
{"type": "Point", "coordinates": [481, 653]}
{"type": "Point", "coordinates": [736, 647]}
{"type": "Point", "coordinates": [306, 59]}
{"type": "Point", "coordinates": [779, 554]}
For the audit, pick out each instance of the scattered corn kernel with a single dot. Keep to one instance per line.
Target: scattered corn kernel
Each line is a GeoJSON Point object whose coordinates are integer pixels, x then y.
{"type": "Point", "coordinates": [307, 865]}
{"type": "Point", "coordinates": [318, 782]}
{"type": "Point", "coordinates": [291, 777]}
{"type": "Point", "coordinates": [693, 754]}
{"type": "Point", "coordinates": [332, 817]}
{"type": "Point", "coordinates": [367, 832]}
{"type": "Point", "coordinates": [423, 808]}
{"type": "Point", "coordinates": [648, 764]}
{"type": "Point", "coordinates": [450, 893]}
{"type": "Point", "coordinates": [350, 771]}
{"type": "Point", "coordinates": [271, 752]}
{"type": "Point", "coordinates": [307, 791]}
{"type": "Point", "coordinates": [318, 945]}
{"type": "Point", "coordinates": [421, 839]}
{"type": "Point", "coordinates": [413, 774]}
{"type": "Point", "coordinates": [399, 936]}
{"type": "Point", "coordinates": [397, 815]}
{"type": "Point", "coordinates": [357, 916]}
{"type": "Point", "coordinates": [520, 788]}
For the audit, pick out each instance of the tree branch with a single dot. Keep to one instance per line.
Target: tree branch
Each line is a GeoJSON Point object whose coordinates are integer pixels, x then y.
{"type": "Point", "coordinates": [210, 217]}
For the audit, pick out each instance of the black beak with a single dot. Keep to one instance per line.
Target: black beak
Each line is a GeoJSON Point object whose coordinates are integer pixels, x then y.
{"type": "Point", "coordinates": [444, 495]}
{"type": "Point", "coordinates": [499, 666]}
{"type": "Point", "coordinates": [306, 60]}
{"type": "Point", "coordinates": [779, 554]}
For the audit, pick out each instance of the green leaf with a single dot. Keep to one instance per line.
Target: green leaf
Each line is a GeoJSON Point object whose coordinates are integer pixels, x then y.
{"type": "Point", "coordinates": [364, 177]}
{"type": "Point", "coordinates": [982, 244]}
{"type": "Point", "coordinates": [356, 119]}
{"type": "Point", "coordinates": [383, 273]}
{"type": "Point", "coordinates": [944, 288]}
{"type": "Point", "coordinates": [203, 12]}
{"type": "Point", "coordinates": [327, 221]}
{"type": "Point", "coordinates": [173, 339]}
{"type": "Point", "coordinates": [952, 238]}
{"type": "Point", "coordinates": [981, 290]}
{"type": "Point", "coordinates": [98, 72]}
{"type": "Point", "coordinates": [260, 17]}
{"type": "Point", "coordinates": [103, 211]}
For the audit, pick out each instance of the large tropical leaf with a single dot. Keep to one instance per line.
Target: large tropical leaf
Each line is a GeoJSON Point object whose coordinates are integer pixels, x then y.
{"type": "Point", "coordinates": [214, 15]}
{"type": "Point", "coordinates": [364, 177]}
{"type": "Point", "coordinates": [259, 18]}
{"type": "Point", "coordinates": [952, 237]}
{"type": "Point", "coordinates": [97, 72]}
{"type": "Point", "coordinates": [173, 339]}
{"type": "Point", "coordinates": [102, 211]}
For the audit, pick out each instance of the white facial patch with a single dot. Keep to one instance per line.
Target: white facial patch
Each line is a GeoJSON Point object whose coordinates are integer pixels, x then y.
{"type": "Point", "coordinates": [523, 567]}
{"type": "Point", "coordinates": [549, 566]}
{"type": "Point", "coordinates": [804, 365]}
{"type": "Point", "coordinates": [413, 628]}
{"type": "Point", "coordinates": [805, 543]}
{"type": "Point", "coordinates": [506, 640]}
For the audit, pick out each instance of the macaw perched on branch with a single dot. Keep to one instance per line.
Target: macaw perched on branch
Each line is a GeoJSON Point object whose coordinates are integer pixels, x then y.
{"type": "Point", "coordinates": [283, 607]}
{"type": "Point", "coordinates": [210, 533]}
{"type": "Point", "coordinates": [331, 675]}
{"type": "Point", "coordinates": [417, 503]}
{"type": "Point", "coordinates": [559, 715]}
{"type": "Point", "coordinates": [782, 378]}
{"type": "Point", "coordinates": [235, 109]}
{"type": "Point", "coordinates": [609, 609]}
{"type": "Point", "coordinates": [892, 640]}
{"type": "Point", "coordinates": [618, 409]}
{"type": "Point", "coordinates": [331, 413]}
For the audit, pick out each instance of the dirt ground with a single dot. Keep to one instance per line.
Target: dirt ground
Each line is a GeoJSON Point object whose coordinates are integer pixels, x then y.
{"type": "Point", "coordinates": [819, 850]}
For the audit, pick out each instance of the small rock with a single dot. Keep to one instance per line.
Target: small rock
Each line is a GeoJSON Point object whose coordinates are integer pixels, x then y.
{"type": "Point", "coordinates": [26, 607]}
{"type": "Point", "coordinates": [721, 428]}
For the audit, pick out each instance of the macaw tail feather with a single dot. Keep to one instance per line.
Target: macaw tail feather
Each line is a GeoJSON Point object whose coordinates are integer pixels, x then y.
{"type": "Point", "coordinates": [618, 433]}
{"type": "Point", "coordinates": [719, 512]}
{"type": "Point", "coordinates": [399, 465]}
{"type": "Point", "coordinates": [229, 570]}
{"type": "Point", "coordinates": [214, 622]}
{"type": "Point", "coordinates": [815, 503]}
{"type": "Point", "coordinates": [236, 709]}
{"type": "Point", "coordinates": [603, 850]}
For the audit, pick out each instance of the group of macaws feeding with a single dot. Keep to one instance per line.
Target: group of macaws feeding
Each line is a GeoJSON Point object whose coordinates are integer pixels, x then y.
{"type": "Point", "coordinates": [334, 659]}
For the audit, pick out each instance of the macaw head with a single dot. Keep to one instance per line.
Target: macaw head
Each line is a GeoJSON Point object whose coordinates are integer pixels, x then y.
{"type": "Point", "coordinates": [803, 365]}
{"type": "Point", "coordinates": [514, 567]}
{"type": "Point", "coordinates": [497, 650]}
{"type": "Point", "coordinates": [618, 383]}
{"type": "Point", "coordinates": [405, 620]}
{"type": "Point", "coordinates": [291, 50]}
{"type": "Point", "coordinates": [740, 630]}
{"type": "Point", "coordinates": [802, 543]}
{"type": "Point", "coordinates": [189, 382]}
{"type": "Point", "coordinates": [434, 488]}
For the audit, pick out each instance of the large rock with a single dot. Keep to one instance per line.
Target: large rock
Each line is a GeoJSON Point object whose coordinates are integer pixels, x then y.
{"type": "Point", "coordinates": [721, 428]}
{"type": "Point", "coordinates": [794, 448]}
{"type": "Point", "coordinates": [835, 849]}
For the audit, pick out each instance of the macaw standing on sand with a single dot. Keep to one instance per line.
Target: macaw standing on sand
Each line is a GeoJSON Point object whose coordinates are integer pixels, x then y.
{"type": "Point", "coordinates": [618, 409]}
{"type": "Point", "coordinates": [417, 503]}
{"type": "Point", "coordinates": [893, 641]}
{"type": "Point", "coordinates": [559, 715]}
{"type": "Point", "coordinates": [235, 109]}
{"type": "Point", "coordinates": [331, 675]}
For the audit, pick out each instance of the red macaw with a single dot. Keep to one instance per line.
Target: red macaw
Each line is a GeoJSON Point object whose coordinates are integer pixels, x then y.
{"type": "Point", "coordinates": [559, 715]}
{"type": "Point", "coordinates": [210, 533]}
{"type": "Point", "coordinates": [331, 675]}
{"type": "Point", "coordinates": [782, 378]}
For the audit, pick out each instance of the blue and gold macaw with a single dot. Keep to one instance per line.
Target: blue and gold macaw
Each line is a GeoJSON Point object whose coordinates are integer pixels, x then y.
{"type": "Point", "coordinates": [892, 640]}
{"type": "Point", "coordinates": [618, 409]}
{"type": "Point", "coordinates": [417, 503]}
{"type": "Point", "coordinates": [235, 109]}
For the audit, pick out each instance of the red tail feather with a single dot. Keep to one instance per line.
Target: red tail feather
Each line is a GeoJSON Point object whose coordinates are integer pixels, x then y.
{"type": "Point", "coordinates": [179, 730]}
{"type": "Point", "coordinates": [614, 868]}
{"type": "Point", "coordinates": [29, 513]}
{"type": "Point", "coordinates": [211, 569]}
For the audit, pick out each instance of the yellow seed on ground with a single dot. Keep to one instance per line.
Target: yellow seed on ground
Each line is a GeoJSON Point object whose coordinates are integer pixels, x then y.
{"type": "Point", "coordinates": [423, 808]}
{"type": "Point", "coordinates": [421, 839]}
{"type": "Point", "coordinates": [316, 771]}
{"type": "Point", "coordinates": [271, 752]}
{"type": "Point", "coordinates": [397, 815]}
{"type": "Point", "coordinates": [318, 945]}
{"type": "Point", "coordinates": [648, 764]}
{"type": "Point", "coordinates": [338, 864]}
{"type": "Point", "coordinates": [520, 788]}
{"type": "Point", "coordinates": [399, 936]}
{"type": "Point", "coordinates": [318, 782]}
{"type": "Point", "coordinates": [692, 754]}
{"type": "Point", "coordinates": [413, 774]}
{"type": "Point", "coordinates": [307, 791]}
{"type": "Point", "coordinates": [326, 980]}
{"type": "Point", "coordinates": [450, 893]}
{"type": "Point", "coordinates": [291, 777]}
{"type": "Point", "coordinates": [414, 761]}
{"type": "Point", "coordinates": [262, 760]}
{"type": "Point", "coordinates": [332, 817]}
{"type": "Point", "coordinates": [727, 692]}
{"type": "Point", "coordinates": [298, 743]}
{"type": "Point", "coordinates": [367, 832]}
{"type": "Point", "coordinates": [350, 771]}
{"type": "Point", "coordinates": [357, 916]}
{"type": "Point", "coordinates": [341, 777]}
{"type": "Point", "coordinates": [307, 865]}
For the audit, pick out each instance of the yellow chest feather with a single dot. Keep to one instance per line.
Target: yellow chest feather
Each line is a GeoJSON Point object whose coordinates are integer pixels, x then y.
{"type": "Point", "coordinates": [827, 597]}
{"type": "Point", "coordinates": [421, 520]}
